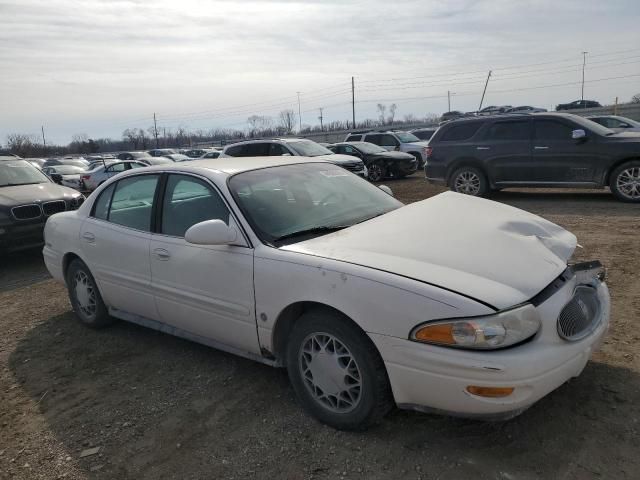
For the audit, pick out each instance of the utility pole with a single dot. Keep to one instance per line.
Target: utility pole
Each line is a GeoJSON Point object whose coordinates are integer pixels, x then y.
{"type": "Point", "coordinates": [299, 113]}
{"type": "Point", "coordinates": [320, 117]}
{"type": "Point", "coordinates": [155, 128]}
{"type": "Point", "coordinates": [44, 142]}
{"type": "Point", "coordinates": [353, 103]}
{"type": "Point", "coordinates": [584, 62]}
{"type": "Point", "coordinates": [164, 135]}
{"type": "Point", "coordinates": [484, 91]}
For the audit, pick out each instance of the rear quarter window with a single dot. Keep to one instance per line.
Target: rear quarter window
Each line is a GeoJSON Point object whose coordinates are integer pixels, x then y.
{"type": "Point", "coordinates": [354, 138]}
{"type": "Point", "coordinates": [460, 132]}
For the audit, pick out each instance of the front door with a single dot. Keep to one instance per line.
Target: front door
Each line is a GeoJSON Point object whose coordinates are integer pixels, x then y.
{"type": "Point", "coordinates": [558, 158]}
{"type": "Point", "coordinates": [115, 244]}
{"type": "Point", "coordinates": [204, 290]}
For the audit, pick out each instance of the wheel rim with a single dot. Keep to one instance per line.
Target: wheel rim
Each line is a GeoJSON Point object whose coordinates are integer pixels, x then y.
{"type": "Point", "coordinates": [85, 294]}
{"type": "Point", "coordinates": [375, 173]}
{"type": "Point", "coordinates": [467, 182]}
{"type": "Point", "coordinates": [628, 183]}
{"type": "Point", "coordinates": [330, 373]}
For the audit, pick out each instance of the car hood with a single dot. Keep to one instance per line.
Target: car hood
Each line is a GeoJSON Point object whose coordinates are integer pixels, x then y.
{"type": "Point", "coordinates": [23, 194]}
{"type": "Point", "coordinates": [393, 155]}
{"type": "Point", "coordinates": [494, 253]}
{"type": "Point", "coordinates": [626, 133]}
{"type": "Point", "coordinates": [338, 158]}
{"type": "Point", "coordinates": [417, 144]}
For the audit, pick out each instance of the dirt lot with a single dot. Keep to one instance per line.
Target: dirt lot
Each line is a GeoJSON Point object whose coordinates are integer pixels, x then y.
{"type": "Point", "coordinates": [161, 407]}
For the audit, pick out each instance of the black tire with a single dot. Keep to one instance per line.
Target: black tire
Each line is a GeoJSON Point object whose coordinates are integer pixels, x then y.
{"type": "Point", "coordinates": [377, 171]}
{"type": "Point", "coordinates": [629, 171]}
{"type": "Point", "coordinates": [95, 315]}
{"type": "Point", "coordinates": [470, 181]}
{"type": "Point", "coordinates": [374, 397]}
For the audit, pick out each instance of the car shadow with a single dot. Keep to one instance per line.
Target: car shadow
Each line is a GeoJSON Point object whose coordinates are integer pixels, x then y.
{"type": "Point", "coordinates": [22, 269]}
{"type": "Point", "coordinates": [162, 407]}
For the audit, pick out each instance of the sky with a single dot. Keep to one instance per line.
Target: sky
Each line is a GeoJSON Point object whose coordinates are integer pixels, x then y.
{"type": "Point", "coordinates": [98, 67]}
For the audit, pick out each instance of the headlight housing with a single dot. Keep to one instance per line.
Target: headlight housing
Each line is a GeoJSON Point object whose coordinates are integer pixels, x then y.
{"type": "Point", "coordinates": [492, 332]}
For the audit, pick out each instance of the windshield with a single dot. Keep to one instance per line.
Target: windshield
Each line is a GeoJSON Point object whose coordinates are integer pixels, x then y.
{"type": "Point", "coordinates": [20, 172]}
{"type": "Point", "coordinates": [316, 198]}
{"type": "Point", "coordinates": [407, 137]}
{"type": "Point", "coordinates": [307, 148]}
{"type": "Point", "coordinates": [367, 147]}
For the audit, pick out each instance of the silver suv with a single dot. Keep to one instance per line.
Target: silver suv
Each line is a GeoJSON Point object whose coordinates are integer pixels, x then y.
{"type": "Point", "coordinates": [294, 147]}
{"type": "Point", "coordinates": [394, 140]}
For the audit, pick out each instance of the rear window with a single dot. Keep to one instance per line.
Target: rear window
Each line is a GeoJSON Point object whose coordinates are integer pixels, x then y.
{"type": "Point", "coordinates": [463, 131]}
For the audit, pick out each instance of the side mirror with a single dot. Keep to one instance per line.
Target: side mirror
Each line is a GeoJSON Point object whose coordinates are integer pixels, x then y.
{"type": "Point", "coordinates": [386, 190]}
{"type": "Point", "coordinates": [57, 178]}
{"type": "Point", "coordinates": [211, 232]}
{"type": "Point", "coordinates": [578, 134]}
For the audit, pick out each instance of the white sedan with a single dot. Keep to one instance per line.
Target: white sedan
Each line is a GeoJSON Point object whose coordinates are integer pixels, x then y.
{"type": "Point", "coordinates": [454, 304]}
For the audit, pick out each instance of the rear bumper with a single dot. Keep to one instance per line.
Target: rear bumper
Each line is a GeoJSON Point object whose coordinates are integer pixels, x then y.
{"type": "Point", "coordinates": [435, 379]}
{"type": "Point", "coordinates": [435, 174]}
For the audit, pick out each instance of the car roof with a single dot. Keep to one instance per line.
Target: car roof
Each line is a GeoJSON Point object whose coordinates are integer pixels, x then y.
{"type": "Point", "coordinates": [233, 165]}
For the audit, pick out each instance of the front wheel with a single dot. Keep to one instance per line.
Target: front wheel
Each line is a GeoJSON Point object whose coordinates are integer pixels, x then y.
{"type": "Point", "coordinates": [470, 181]}
{"type": "Point", "coordinates": [625, 182]}
{"type": "Point", "coordinates": [336, 372]}
{"type": "Point", "coordinates": [377, 172]}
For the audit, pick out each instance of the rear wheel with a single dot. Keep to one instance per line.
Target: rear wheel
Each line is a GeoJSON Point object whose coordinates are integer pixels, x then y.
{"type": "Point", "coordinates": [85, 298]}
{"type": "Point", "coordinates": [625, 182]}
{"type": "Point", "coordinates": [470, 181]}
{"type": "Point", "coordinates": [377, 172]}
{"type": "Point", "coordinates": [336, 372]}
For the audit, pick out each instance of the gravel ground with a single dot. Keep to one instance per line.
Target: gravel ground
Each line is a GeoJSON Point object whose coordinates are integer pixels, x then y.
{"type": "Point", "coordinates": [155, 406]}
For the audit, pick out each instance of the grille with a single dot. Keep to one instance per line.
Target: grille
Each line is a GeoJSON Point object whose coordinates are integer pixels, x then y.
{"type": "Point", "coordinates": [49, 208]}
{"type": "Point", "coordinates": [581, 315]}
{"type": "Point", "coordinates": [354, 167]}
{"type": "Point", "coordinates": [26, 212]}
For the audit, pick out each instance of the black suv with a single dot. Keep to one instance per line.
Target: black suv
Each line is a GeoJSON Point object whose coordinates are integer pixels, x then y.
{"type": "Point", "coordinates": [578, 104]}
{"type": "Point", "coordinates": [476, 155]}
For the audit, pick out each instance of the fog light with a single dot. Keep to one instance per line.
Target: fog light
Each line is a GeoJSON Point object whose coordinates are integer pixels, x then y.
{"type": "Point", "coordinates": [490, 392]}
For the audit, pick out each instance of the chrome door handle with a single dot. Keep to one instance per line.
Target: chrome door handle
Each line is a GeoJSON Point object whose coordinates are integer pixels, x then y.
{"type": "Point", "coordinates": [541, 148]}
{"type": "Point", "coordinates": [162, 254]}
{"type": "Point", "coordinates": [89, 237]}
{"type": "Point", "coordinates": [483, 148]}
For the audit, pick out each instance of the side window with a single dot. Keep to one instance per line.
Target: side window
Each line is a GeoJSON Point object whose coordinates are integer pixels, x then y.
{"type": "Point", "coordinates": [276, 150]}
{"type": "Point", "coordinates": [461, 132]}
{"type": "Point", "coordinates": [118, 167]}
{"type": "Point", "coordinates": [551, 130]}
{"type": "Point", "coordinates": [508, 131]}
{"type": "Point", "coordinates": [354, 138]}
{"type": "Point", "coordinates": [235, 151]}
{"type": "Point", "coordinates": [388, 141]}
{"type": "Point", "coordinates": [132, 202]}
{"type": "Point", "coordinates": [101, 207]}
{"type": "Point", "coordinates": [374, 138]}
{"type": "Point", "coordinates": [134, 165]}
{"type": "Point", "coordinates": [188, 201]}
{"type": "Point", "coordinates": [349, 150]}
{"type": "Point", "coordinates": [257, 150]}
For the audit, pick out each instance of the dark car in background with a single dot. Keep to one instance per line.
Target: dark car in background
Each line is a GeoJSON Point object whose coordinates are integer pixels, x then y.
{"type": "Point", "coordinates": [445, 117]}
{"type": "Point", "coordinates": [578, 104]}
{"type": "Point", "coordinates": [379, 162]}
{"type": "Point", "coordinates": [27, 199]}
{"type": "Point", "coordinates": [476, 155]}
{"type": "Point", "coordinates": [134, 156]}
{"type": "Point", "coordinates": [160, 152]}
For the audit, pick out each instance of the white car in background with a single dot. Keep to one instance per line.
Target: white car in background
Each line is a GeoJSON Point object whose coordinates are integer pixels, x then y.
{"type": "Point", "coordinates": [368, 303]}
{"type": "Point", "coordinates": [101, 173]}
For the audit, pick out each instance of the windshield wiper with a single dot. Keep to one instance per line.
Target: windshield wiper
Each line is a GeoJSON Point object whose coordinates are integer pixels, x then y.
{"type": "Point", "coordinates": [311, 231]}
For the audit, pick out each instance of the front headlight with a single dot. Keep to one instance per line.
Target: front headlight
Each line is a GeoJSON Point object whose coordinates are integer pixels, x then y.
{"type": "Point", "coordinates": [482, 333]}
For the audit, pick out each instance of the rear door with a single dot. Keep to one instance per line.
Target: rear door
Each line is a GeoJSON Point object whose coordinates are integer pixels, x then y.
{"type": "Point", "coordinates": [505, 147]}
{"type": "Point", "coordinates": [559, 159]}
{"type": "Point", "coordinates": [115, 243]}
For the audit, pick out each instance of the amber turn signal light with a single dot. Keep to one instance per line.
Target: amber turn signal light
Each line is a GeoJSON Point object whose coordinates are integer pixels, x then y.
{"type": "Point", "coordinates": [490, 392]}
{"type": "Point", "coordinates": [442, 333]}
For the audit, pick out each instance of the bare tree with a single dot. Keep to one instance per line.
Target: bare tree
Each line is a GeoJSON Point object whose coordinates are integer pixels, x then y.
{"type": "Point", "coordinates": [392, 113]}
{"type": "Point", "coordinates": [287, 120]}
{"type": "Point", "coordinates": [21, 144]}
{"type": "Point", "coordinates": [381, 110]}
{"type": "Point", "coordinates": [131, 135]}
{"type": "Point", "coordinates": [635, 98]}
